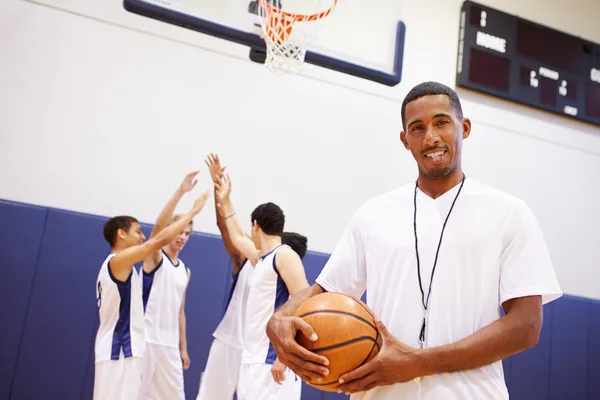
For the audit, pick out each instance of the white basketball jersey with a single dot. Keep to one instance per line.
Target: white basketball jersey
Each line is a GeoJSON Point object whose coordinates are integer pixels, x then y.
{"type": "Point", "coordinates": [267, 292]}
{"type": "Point", "coordinates": [163, 294]}
{"type": "Point", "coordinates": [121, 312]}
{"type": "Point", "coordinates": [231, 327]}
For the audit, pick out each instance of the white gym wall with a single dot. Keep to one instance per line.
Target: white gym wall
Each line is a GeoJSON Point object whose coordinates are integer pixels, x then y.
{"type": "Point", "coordinates": [103, 112]}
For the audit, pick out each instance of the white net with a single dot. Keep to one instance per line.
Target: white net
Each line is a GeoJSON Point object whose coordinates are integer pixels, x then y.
{"type": "Point", "coordinates": [288, 26]}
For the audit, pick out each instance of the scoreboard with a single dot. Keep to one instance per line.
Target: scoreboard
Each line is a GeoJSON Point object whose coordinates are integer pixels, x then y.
{"type": "Point", "coordinates": [518, 60]}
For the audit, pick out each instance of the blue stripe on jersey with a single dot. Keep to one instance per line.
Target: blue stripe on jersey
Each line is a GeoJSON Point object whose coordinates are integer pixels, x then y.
{"type": "Point", "coordinates": [281, 296]}
{"type": "Point", "coordinates": [148, 279]}
{"type": "Point", "coordinates": [122, 333]}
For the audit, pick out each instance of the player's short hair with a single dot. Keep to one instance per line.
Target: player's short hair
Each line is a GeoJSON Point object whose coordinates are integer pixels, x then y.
{"type": "Point", "coordinates": [296, 241]}
{"type": "Point", "coordinates": [112, 226]}
{"type": "Point", "coordinates": [177, 217]}
{"type": "Point", "coordinates": [270, 218]}
{"type": "Point", "coordinates": [431, 89]}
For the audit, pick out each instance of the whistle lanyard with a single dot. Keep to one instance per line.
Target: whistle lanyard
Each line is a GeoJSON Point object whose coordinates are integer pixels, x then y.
{"type": "Point", "coordinates": [424, 300]}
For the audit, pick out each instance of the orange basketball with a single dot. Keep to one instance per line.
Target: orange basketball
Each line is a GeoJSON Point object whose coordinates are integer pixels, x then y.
{"type": "Point", "coordinates": [347, 334]}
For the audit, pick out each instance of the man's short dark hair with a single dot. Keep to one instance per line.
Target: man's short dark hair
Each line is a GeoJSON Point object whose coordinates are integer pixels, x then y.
{"type": "Point", "coordinates": [112, 226]}
{"type": "Point", "coordinates": [296, 241]}
{"type": "Point", "coordinates": [432, 89]}
{"type": "Point", "coordinates": [270, 218]}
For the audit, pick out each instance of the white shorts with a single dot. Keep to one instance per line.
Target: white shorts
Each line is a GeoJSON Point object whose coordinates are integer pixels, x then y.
{"type": "Point", "coordinates": [118, 379]}
{"type": "Point", "coordinates": [256, 383]}
{"type": "Point", "coordinates": [163, 373]}
{"type": "Point", "coordinates": [220, 376]}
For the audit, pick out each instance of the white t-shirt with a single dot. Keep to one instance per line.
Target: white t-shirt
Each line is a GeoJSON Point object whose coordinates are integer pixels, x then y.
{"type": "Point", "coordinates": [492, 250]}
{"type": "Point", "coordinates": [231, 327]}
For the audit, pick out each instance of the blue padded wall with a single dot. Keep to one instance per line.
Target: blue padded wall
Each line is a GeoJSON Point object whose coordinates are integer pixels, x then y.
{"type": "Point", "coordinates": [21, 232]}
{"type": "Point", "coordinates": [61, 321]}
{"type": "Point", "coordinates": [47, 333]}
{"type": "Point", "coordinates": [570, 342]}
{"type": "Point", "coordinates": [593, 373]}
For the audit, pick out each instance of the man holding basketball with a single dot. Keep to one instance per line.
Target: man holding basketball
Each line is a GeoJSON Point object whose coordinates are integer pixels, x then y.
{"type": "Point", "coordinates": [437, 258]}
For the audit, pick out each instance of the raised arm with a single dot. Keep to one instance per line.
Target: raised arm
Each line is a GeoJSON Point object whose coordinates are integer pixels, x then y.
{"type": "Point", "coordinates": [188, 183]}
{"type": "Point", "coordinates": [122, 263]}
{"type": "Point", "coordinates": [239, 239]}
{"type": "Point", "coordinates": [216, 172]}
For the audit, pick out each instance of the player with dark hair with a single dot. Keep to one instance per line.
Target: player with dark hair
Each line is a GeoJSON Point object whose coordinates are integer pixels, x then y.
{"type": "Point", "coordinates": [278, 273]}
{"type": "Point", "coordinates": [220, 376]}
{"type": "Point", "coordinates": [437, 257]}
{"type": "Point", "coordinates": [296, 241]}
{"type": "Point", "coordinates": [120, 343]}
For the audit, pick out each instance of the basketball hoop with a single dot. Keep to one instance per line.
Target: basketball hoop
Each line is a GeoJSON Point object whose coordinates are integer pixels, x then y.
{"type": "Point", "coordinates": [286, 41]}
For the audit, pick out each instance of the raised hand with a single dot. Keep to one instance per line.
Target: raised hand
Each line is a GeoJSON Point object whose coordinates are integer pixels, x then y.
{"type": "Point", "coordinates": [201, 201]}
{"type": "Point", "coordinates": [223, 188]}
{"type": "Point", "coordinates": [214, 167]}
{"type": "Point", "coordinates": [189, 182]}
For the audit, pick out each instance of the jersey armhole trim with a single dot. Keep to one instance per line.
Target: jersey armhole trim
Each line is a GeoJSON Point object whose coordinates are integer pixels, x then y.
{"type": "Point", "coordinates": [275, 256]}
{"type": "Point", "coordinates": [126, 282]}
{"type": "Point", "coordinates": [241, 267]}
{"type": "Point", "coordinates": [155, 269]}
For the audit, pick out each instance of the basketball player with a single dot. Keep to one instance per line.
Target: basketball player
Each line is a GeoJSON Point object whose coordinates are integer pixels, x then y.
{"type": "Point", "coordinates": [165, 281]}
{"type": "Point", "coordinates": [120, 344]}
{"type": "Point", "coordinates": [278, 273]}
{"type": "Point", "coordinates": [220, 377]}
{"type": "Point", "coordinates": [437, 257]}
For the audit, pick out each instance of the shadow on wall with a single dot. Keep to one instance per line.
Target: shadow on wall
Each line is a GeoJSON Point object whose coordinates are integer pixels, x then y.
{"type": "Point", "coordinates": [50, 262]}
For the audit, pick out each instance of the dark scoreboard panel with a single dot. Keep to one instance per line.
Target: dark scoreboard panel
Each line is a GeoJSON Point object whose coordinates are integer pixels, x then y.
{"type": "Point", "coordinates": [521, 61]}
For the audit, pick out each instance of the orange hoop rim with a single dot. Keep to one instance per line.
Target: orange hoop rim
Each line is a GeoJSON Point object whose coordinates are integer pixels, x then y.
{"type": "Point", "coordinates": [297, 17]}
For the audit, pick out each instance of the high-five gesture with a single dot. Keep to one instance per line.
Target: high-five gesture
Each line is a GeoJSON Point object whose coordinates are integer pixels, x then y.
{"type": "Point", "coordinates": [223, 189]}
{"type": "Point", "coordinates": [189, 182]}
{"type": "Point", "coordinates": [214, 167]}
{"type": "Point", "coordinates": [200, 201]}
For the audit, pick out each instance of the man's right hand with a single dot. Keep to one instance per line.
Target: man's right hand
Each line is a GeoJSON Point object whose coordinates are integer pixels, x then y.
{"type": "Point", "coordinates": [281, 331]}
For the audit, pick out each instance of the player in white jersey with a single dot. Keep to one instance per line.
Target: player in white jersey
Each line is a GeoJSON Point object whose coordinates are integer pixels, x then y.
{"type": "Point", "coordinates": [438, 258]}
{"type": "Point", "coordinates": [165, 280]}
{"type": "Point", "coordinates": [278, 273]}
{"type": "Point", "coordinates": [120, 344]}
{"type": "Point", "coordinates": [220, 377]}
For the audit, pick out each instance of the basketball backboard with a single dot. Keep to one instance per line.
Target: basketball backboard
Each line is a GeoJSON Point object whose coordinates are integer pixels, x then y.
{"type": "Point", "coordinates": [363, 38]}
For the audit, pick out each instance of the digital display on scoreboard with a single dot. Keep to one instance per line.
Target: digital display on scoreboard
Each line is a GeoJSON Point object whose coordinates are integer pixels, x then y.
{"type": "Point", "coordinates": [521, 61]}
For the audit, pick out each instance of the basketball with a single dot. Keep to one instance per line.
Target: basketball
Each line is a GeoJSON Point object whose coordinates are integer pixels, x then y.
{"type": "Point", "coordinates": [347, 335]}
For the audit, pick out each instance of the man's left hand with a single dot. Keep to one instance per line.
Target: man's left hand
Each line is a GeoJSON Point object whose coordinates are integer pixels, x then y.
{"type": "Point", "coordinates": [395, 363]}
{"type": "Point", "coordinates": [185, 359]}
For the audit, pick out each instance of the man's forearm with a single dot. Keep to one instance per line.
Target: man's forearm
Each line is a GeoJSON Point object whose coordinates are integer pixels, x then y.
{"type": "Point", "coordinates": [165, 214]}
{"type": "Point", "coordinates": [231, 222]}
{"type": "Point", "coordinates": [497, 341]}
{"type": "Point", "coordinates": [182, 333]}
{"type": "Point", "coordinates": [290, 307]}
